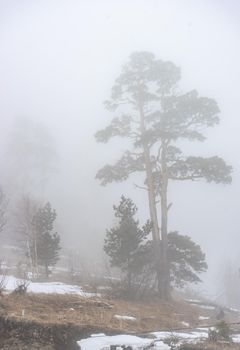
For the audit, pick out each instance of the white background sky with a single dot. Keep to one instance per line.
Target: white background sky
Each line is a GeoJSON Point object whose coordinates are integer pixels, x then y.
{"type": "Point", "coordinates": [58, 61]}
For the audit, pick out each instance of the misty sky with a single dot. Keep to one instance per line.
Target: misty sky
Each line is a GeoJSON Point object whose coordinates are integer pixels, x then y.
{"type": "Point", "coordinates": [58, 61]}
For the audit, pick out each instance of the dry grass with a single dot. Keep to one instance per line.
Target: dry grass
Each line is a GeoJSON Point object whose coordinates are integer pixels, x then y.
{"type": "Point", "coordinates": [151, 315]}
{"type": "Point", "coordinates": [210, 346]}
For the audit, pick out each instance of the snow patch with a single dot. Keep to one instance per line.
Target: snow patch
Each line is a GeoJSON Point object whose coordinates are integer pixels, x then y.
{"type": "Point", "coordinates": [236, 338]}
{"type": "Point", "coordinates": [46, 287]}
{"type": "Point", "coordinates": [202, 318]}
{"type": "Point", "coordinates": [104, 342]}
{"type": "Point", "coordinates": [207, 307]}
{"type": "Point", "coordinates": [181, 335]}
{"type": "Point", "coordinates": [195, 301]}
{"type": "Point", "coordinates": [234, 310]}
{"type": "Point", "coordinates": [127, 318]}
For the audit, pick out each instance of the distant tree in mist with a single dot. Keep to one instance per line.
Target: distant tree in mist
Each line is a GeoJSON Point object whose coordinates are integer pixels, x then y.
{"type": "Point", "coordinates": [130, 249]}
{"type": "Point", "coordinates": [229, 287]}
{"type": "Point", "coordinates": [155, 116]}
{"type": "Point", "coordinates": [48, 241]}
{"type": "Point", "coordinates": [31, 156]}
{"type": "Point", "coordinates": [34, 225]}
{"type": "Point", "coordinates": [3, 210]}
{"type": "Point", "coordinates": [26, 234]}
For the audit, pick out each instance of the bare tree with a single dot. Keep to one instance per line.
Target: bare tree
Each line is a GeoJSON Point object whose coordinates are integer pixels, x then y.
{"type": "Point", "coordinates": [26, 233]}
{"type": "Point", "coordinates": [3, 210]}
{"type": "Point", "coordinates": [31, 155]}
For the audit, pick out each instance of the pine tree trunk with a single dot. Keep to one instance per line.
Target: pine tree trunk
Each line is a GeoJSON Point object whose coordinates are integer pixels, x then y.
{"type": "Point", "coordinates": [129, 276]}
{"type": "Point", "coordinates": [156, 234]}
{"type": "Point", "coordinates": [164, 225]}
{"type": "Point", "coordinates": [164, 247]}
{"type": "Point", "coordinates": [46, 270]}
{"type": "Point", "coordinates": [149, 178]}
{"type": "Point", "coordinates": [29, 256]}
{"type": "Point", "coordinates": [35, 255]}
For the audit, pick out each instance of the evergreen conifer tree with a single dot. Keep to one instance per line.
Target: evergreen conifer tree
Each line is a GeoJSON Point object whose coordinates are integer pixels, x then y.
{"type": "Point", "coordinates": [131, 249]}
{"type": "Point", "coordinates": [48, 241]}
{"type": "Point", "coordinates": [153, 113]}
{"type": "Point", "coordinates": [123, 242]}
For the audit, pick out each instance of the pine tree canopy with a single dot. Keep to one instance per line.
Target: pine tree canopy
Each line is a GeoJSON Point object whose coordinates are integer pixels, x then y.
{"type": "Point", "coordinates": [152, 87]}
{"type": "Point", "coordinates": [186, 259]}
{"type": "Point", "coordinates": [48, 241]}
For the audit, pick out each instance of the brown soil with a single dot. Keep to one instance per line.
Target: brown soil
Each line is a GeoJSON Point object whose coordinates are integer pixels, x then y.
{"type": "Point", "coordinates": [56, 322]}
{"type": "Point", "coordinates": [209, 346]}
{"type": "Point", "coordinates": [62, 309]}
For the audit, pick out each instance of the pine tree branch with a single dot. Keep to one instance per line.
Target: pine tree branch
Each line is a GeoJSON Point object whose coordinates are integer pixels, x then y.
{"type": "Point", "coordinates": [140, 187]}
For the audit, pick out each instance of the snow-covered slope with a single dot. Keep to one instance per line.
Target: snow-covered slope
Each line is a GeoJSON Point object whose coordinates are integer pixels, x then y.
{"type": "Point", "coordinates": [45, 287]}
{"type": "Point", "coordinates": [102, 342]}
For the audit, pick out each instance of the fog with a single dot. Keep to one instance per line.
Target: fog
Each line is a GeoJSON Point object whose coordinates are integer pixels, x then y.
{"type": "Point", "coordinates": [58, 62]}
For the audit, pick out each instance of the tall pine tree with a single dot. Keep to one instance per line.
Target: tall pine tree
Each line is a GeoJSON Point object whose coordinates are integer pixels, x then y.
{"type": "Point", "coordinates": [152, 112]}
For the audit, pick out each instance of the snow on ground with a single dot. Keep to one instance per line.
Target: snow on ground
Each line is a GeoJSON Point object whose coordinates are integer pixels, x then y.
{"type": "Point", "coordinates": [102, 342]}
{"type": "Point", "coordinates": [234, 310]}
{"type": "Point", "coordinates": [198, 334]}
{"type": "Point", "coordinates": [236, 338]}
{"type": "Point", "coordinates": [201, 304]}
{"type": "Point", "coordinates": [126, 318]}
{"type": "Point", "coordinates": [194, 301]}
{"type": "Point", "coordinates": [45, 287]}
{"type": "Point", "coordinates": [202, 318]}
{"type": "Point", "coordinates": [206, 307]}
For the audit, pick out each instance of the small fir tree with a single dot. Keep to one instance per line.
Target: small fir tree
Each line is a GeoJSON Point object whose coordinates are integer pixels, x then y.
{"type": "Point", "coordinates": [48, 241]}
{"type": "Point", "coordinates": [131, 250]}
{"type": "Point", "coordinates": [125, 241]}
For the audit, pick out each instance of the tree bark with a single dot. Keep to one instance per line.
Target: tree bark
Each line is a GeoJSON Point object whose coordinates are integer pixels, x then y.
{"type": "Point", "coordinates": [35, 254]}
{"type": "Point", "coordinates": [159, 246]}
{"type": "Point", "coordinates": [46, 270]}
{"type": "Point", "coordinates": [164, 224]}
{"type": "Point", "coordinates": [149, 177]}
{"type": "Point", "coordinates": [29, 255]}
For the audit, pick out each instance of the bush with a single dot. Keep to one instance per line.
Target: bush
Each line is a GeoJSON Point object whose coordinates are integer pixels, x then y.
{"type": "Point", "coordinates": [172, 342]}
{"type": "Point", "coordinates": [212, 335]}
{"type": "Point", "coordinates": [2, 283]}
{"type": "Point", "coordinates": [21, 287]}
{"type": "Point", "coordinates": [221, 332]}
